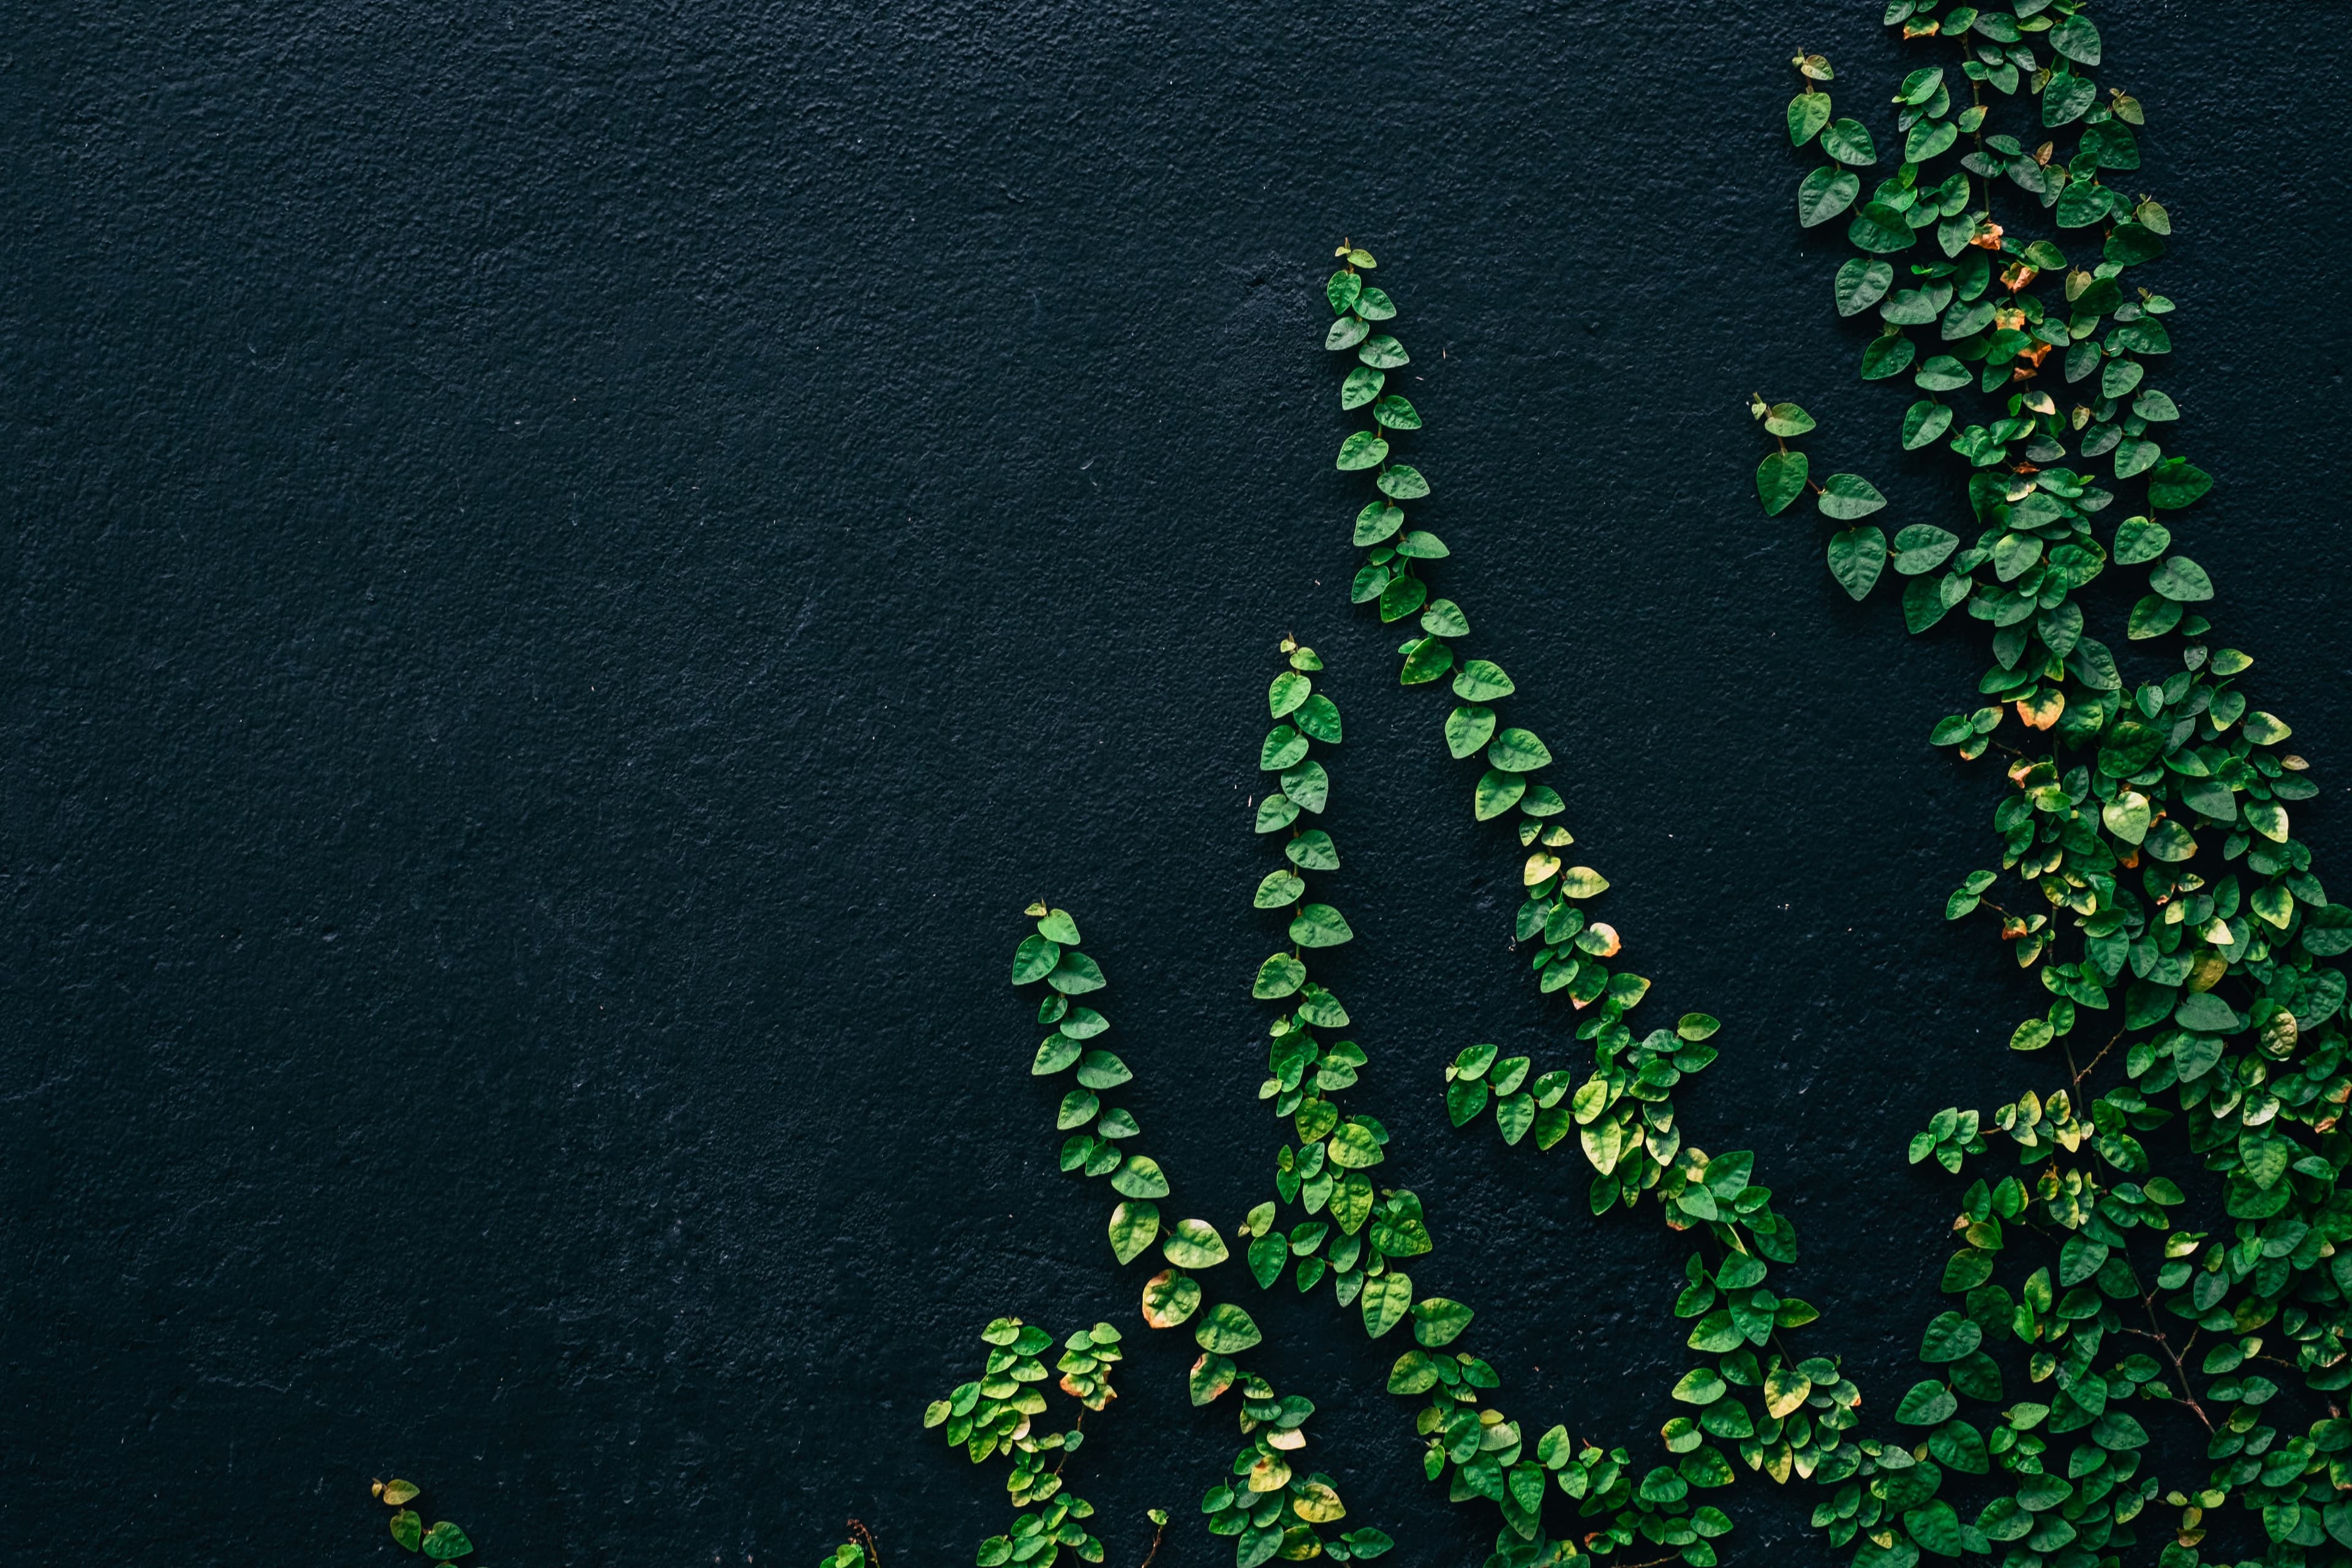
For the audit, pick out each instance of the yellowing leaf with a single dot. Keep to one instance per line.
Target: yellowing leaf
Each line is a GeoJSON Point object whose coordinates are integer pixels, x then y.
{"type": "Point", "coordinates": [1785, 1391]}
{"type": "Point", "coordinates": [1583, 882]}
{"type": "Point", "coordinates": [2041, 710]}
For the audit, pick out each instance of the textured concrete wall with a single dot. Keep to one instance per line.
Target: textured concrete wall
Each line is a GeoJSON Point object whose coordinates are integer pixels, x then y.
{"type": "Point", "coordinates": [572, 568]}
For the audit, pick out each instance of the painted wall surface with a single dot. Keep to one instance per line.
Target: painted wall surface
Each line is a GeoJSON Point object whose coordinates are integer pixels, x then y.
{"type": "Point", "coordinates": [572, 568]}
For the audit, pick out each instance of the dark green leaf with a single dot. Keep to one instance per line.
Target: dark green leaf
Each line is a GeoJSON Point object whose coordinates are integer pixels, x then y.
{"type": "Point", "coordinates": [1861, 284]}
{"type": "Point", "coordinates": [1857, 556]}
{"type": "Point", "coordinates": [1849, 496]}
{"type": "Point", "coordinates": [1825, 192]}
{"type": "Point", "coordinates": [1849, 142]}
{"type": "Point", "coordinates": [1780, 479]}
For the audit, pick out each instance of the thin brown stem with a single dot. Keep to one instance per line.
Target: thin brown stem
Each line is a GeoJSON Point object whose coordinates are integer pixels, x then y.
{"type": "Point", "coordinates": [2080, 1074]}
{"type": "Point", "coordinates": [1075, 1426]}
{"type": "Point", "coordinates": [865, 1541]}
{"type": "Point", "coordinates": [2179, 1366]}
{"type": "Point", "coordinates": [1148, 1556]}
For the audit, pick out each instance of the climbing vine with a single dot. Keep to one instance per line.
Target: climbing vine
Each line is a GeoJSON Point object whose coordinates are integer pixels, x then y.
{"type": "Point", "coordinates": [2077, 1283]}
{"type": "Point", "coordinates": [1795, 1410]}
{"type": "Point", "coordinates": [442, 1542]}
{"type": "Point", "coordinates": [2149, 874]}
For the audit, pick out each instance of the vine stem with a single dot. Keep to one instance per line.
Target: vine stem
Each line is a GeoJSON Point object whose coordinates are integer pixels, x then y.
{"type": "Point", "coordinates": [2082, 1073]}
{"type": "Point", "coordinates": [1148, 1556]}
{"type": "Point", "coordinates": [1074, 1427]}
{"type": "Point", "coordinates": [865, 1540]}
{"type": "Point", "coordinates": [2180, 1367]}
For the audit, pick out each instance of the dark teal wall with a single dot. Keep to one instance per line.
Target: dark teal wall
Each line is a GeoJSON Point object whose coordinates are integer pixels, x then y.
{"type": "Point", "coordinates": [572, 568]}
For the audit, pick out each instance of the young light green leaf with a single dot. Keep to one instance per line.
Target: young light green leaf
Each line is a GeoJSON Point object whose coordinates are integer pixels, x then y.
{"type": "Point", "coordinates": [1320, 925]}
{"type": "Point", "coordinates": [1192, 1243]}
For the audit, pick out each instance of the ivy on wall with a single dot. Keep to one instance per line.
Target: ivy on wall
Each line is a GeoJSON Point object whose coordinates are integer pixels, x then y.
{"type": "Point", "coordinates": [2148, 879]}
{"type": "Point", "coordinates": [2149, 874]}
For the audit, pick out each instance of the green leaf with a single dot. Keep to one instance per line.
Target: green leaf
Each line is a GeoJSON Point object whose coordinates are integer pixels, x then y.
{"type": "Point", "coordinates": [1383, 352]}
{"type": "Point", "coordinates": [1881, 229]}
{"type": "Point", "coordinates": [1075, 974]}
{"type": "Point", "coordinates": [1496, 792]}
{"type": "Point", "coordinates": [1342, 291]}
{"type": "Point", "coordinates": [2128, 816]}
{"type": "Point", "coordinates": [1948, 1338]}
{"type": "Point", "coordinates": [1279, 976]}
{"type": "Point", "coordinates": [1849, 496]}
{"type": "Point", "coordinates": [1346, 332]}
{"type": "Point", "coordinates": [1439, 1321]}
{"type": "Point", "coordinates": [1925, 421]}
{"type": "Point", "coordinates": [1857, 556]}
{"type": "Point", "coordinates": [1192, 1243]}
{"type": "Point", "coordinates": [1362, 451]}
{"type": "Point", "coordinates": [1786, 419]}
{"type": "Point", "coordinates": [1468, 728]}
{"type": "Point", "coordinates": [1226, 1329]}
{"type": "Point", "coordinates": [1923, 547]}
{"type": "Point", "coordinates": [1583, 882]}
{"type": "Point", "coordinates": [2182, 580]}
{"type": "Point", "coordinates": [1387, 1302]}
{"type": "Point", "coordinates": [1266, 1256]}
{"type": "Point", "coordinates": [1134, 1226]}
{"type": "Point", "coordinates": [1426, 661]}
{"type": "Point", "coordinates": [1808, 112]}
{"type": "Point", "coordinates": [2066, 99]}
{"type": "Point", "coordinates": [1825, 192]}
{"type": "Point", "coordinates": [1928, 1404]}
{"type": "Point", "coordinates": [1355, 1147]}
{"type": "Point", "coordinates": [2174, 484]}
{"type": "Point", "coordinates": [1362, 385]}
{"type": "Point", "coordinates": [1780, 479]}
{"type": "Point", "coordinates": [1277, 889]}
{"type": "Point", "coordinates": [1444, 618]}
{"type": "Point", "coordinates": [1518, 752]}
{"type": "Point", "coordinates": [1696, 1026]}
{"type": "Point", "coordinates": [1283, 746]}
{"type": "Point", "coordinates": [1886, 356]}
{"type": "Point", "coordinates": [1700, 1386]}
{"type": "Point", "coordinates": [1320, 925]}
{"type": "Point", "coordinates": [407, 1528]}
{"type": "Point", "coordinates": [1848, 141]}
{"type": "Point", "coordinates": [2207, 1013]}
{"type": "Point", "coordinates": [1169, 1298]}
{"type": "Point", "coordinates": [1032, 961]}
{"type": "Point", "coordinates": [1396, 413]}
{"type": "Point", "coordinates": [1920, 84]}
{"type": "Point", "coordinates": [1401, 483]}
{"type": "Point", "coordinates": [2076, 39]}
{"type": "Point", "coordinates": [1481, 682]}
{"type": "Point", "coordinates": [1139, 1176]}
{"type": "Point", "coordinates": [1287, 691]}
{"type": "Point", "coordinates": [445, 1541]}
{"type": "Point", "coordinates": [1861, 284]}
{"type": "Point", "coordinates": [2139, 539]}
{"type": "Point", "coordinates": [396, 1493]}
